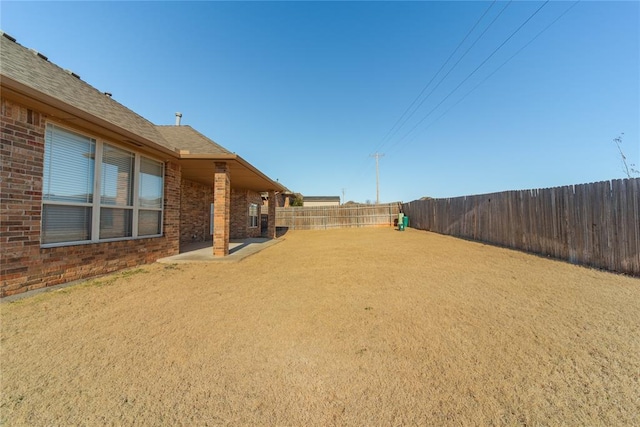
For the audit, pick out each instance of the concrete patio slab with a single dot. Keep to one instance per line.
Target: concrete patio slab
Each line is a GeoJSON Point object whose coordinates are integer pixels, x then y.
{"type": "Point", "coordinates": [203, 251]}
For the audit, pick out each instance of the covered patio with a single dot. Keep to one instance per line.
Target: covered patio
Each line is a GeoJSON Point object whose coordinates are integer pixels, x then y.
{"type": "Point", "coordinates": [213, 175]}
{"type": "Point", "coordinates": [222, 172]}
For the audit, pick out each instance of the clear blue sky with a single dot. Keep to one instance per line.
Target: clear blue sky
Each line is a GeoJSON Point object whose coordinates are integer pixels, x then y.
{"type": "Point", "coordinates": [307, 91]}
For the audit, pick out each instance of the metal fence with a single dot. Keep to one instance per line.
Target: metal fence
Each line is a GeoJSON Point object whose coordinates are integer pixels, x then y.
{"type": "Point", "coordinates": [595, 224]}
{"type": "Point", "coordinates": [344, 216]}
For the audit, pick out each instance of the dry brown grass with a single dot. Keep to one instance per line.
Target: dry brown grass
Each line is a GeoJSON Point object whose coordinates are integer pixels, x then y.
{"type": "Point", "coordinates": [344, 327]}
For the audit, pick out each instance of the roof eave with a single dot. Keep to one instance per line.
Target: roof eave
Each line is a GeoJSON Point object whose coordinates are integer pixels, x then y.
{"type": "Point", "coordinates": [63, 112]}
{"type": "Point", "coordinates": [220, 156]}
{"type": "Point", "coordinates": [276, 185]}
{"type": "Point", "coordinates": [59, 110]}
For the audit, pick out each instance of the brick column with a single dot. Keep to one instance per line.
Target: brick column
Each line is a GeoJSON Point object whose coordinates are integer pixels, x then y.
{"type": "Point", "coordinates": [221, 209]}
{"type": "Point", "coordinates": [172, 207]}
{"type": "Point", "coordinates": [271, 225]}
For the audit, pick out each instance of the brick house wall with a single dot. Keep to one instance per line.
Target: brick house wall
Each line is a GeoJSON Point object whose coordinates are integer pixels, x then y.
{"type": "Point", "coordinates": [282, 200]}
{"type": "Point", "coordinates": [240, 201]}
{"type": "Point", "coordinates": [24, 265]}
{"type": "Point", "coordinates": [195, 217]}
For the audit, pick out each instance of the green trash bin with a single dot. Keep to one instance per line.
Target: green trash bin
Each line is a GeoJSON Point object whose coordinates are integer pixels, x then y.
{"type": "Point", "coordinates": [405, 222]}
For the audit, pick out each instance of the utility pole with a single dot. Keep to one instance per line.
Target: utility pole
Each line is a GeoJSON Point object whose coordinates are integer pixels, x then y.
{"type": "Point", "coordinates": [377, 156]}
{"type": "Point", "coordinates": [343, 195]}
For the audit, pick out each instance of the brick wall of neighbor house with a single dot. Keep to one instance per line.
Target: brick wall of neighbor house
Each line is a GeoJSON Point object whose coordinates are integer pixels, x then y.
{"type": "Point", "coordinates": [240, 200]}
{"type": "Point", "coordinates": [195, 205]}
{"type": "Point", "coordinates": [24, 265]}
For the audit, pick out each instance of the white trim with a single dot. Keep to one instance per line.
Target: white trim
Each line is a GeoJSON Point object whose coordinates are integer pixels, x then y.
{"type": "Point", "coordinates": [136, 191]}
{"type": "Point", "coordinates": [91, 242]}
{"type": "Point", "coordinates": [97, 183]}
{"type": "Point", "coordinates": [96, 137]}
{"type": "Point", "coordinates": [53, 202]}
{"type": "Point", "coordinates": [96, 204]}
{"type": "Point", "coordinates": [256, 216]}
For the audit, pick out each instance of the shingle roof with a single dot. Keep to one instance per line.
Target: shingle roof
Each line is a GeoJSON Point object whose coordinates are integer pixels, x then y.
{"type": "Point", "coordinates": [35, 71]}
{"type": "Point", "coordinates": [33, 75]}
{"type": "Point", "coordinates": [187, 138]}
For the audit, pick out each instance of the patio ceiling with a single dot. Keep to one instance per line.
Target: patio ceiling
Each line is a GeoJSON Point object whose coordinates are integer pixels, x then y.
{"type": "Point", "coordinates": [243, 174]}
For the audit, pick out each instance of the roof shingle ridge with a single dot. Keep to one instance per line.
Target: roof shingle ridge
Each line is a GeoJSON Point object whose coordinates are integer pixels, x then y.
{"type": "Point", "coordinates": [198, 133]}
{"type": "Point", "coordinates": [107, 98]}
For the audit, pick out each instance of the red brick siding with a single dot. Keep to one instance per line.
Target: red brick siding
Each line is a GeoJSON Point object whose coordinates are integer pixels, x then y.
{"type": "Point", "coordinates": [171, 221]}
{"type": "Point", "coordinates": [24, 265]}
{"type": "Point", "coordinates": [271, 217]}
{"type": "Point", "coordinates": [21, 153]}
{"type": "Point", "coordinates": [281, 201]}
{"type": "Point", "coordinates": [221, 209]}
{"type": "Point", "coordinates": [240, 201]}
{"type": "Point", "coordinates": [195, 202]}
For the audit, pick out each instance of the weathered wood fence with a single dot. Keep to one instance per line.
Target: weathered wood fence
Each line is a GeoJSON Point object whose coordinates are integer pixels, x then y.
{"type": "Point", "coordinates": [595, 224]}
{"type": "Point", "coordinates": [344, 216]}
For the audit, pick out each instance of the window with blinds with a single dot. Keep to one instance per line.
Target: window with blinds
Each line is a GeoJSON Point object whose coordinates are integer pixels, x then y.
{"type": "Point", "coordinates": [67, 186]}
{"type": "Point", "coordinates": [150, 197]}
{"type": "Point", "coordinates": [130, 189]}
{"type": "Point", "coordinates": [116, 197]}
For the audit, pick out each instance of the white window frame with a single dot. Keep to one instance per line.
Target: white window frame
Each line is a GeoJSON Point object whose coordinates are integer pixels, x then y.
{"type": "Point", "coordinates": [252, 223]}
{"type": "Point", "coordinates": [96, 205]}
{"type": "Point", "coordinates": [95, 220]}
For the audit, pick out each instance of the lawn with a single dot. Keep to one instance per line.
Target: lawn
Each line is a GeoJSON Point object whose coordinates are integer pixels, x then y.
{"type": "Point", "coordinates": [341, 327]}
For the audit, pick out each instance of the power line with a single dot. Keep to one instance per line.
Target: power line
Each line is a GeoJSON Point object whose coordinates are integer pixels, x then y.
{"type": "Point", "coordinates": [474, 71]}
{"type": "Point", "coordinates": [362, 168]}
{"type": "Point", "coordinates": [433, 78]}
{"type": "Point", "coordinates": [453, 67]}
{"type": "Point", "coordinates": [480, 66]}
{"type": "Point", "coordinates": [502, 65]}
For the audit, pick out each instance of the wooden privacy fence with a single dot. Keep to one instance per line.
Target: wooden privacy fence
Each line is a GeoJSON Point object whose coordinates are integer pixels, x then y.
{"type": "Point", "coordinates": [595, 224]}
{"type": "Point", "coordinates": [344, 216]}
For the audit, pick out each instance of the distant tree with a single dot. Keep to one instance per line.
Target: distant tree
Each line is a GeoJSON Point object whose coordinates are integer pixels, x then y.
{"type": "Point", "coordinates": [628, 168]}
{"type": "Point", "coordinates": [298, 201]}
{"type": "Point", "coordinates": [368, 202]}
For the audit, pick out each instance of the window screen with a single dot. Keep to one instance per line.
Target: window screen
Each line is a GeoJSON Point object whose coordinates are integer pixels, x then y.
{"type": "Point", "coordinates": [150, 197]}
{"type": "Point", "coordinates": [68, 166]}
{"type": "Point", "coordinates": [71, 213]}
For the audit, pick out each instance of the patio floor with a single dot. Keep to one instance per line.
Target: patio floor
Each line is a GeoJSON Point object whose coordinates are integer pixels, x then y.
{"type": "Point", "coordinates": [203, 251]}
